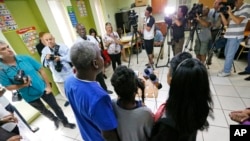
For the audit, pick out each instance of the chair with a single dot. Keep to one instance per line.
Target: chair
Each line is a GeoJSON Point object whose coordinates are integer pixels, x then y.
{"type": "Point", "coordinates": [244, 49]}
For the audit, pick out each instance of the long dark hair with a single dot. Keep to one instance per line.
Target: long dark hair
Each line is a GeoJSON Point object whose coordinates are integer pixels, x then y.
{"type": "Point", "coordinates": [189, 102]}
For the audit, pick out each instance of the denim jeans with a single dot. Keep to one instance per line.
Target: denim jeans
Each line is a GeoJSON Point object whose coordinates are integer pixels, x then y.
{"type": "Point", "coordinates": [231, 48]}
{"type": "Point", "coordinates": [51, 101]}
{"type": "Point", "coordinates": [248, 62]}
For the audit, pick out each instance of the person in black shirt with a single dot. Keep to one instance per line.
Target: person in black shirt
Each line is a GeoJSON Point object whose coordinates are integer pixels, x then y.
{"type": "Point", "coordinates": [179, 24]}
{"type": "Point", "coordinates": [41, 44]}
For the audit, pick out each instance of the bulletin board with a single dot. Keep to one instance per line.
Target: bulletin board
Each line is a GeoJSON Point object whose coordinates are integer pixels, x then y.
{"type": "Point", "coordinates": [29, 37]}
{"type": "Point", "coordinates": [7, 23]}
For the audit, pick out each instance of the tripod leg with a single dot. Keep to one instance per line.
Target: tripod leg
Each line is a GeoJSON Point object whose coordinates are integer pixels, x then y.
{"type": "Point", "coordinates": [234, 67]}
{"type": "Point", "coordinates": [159, 56]}
{"type": "Point", "coordinates": [131, 49]}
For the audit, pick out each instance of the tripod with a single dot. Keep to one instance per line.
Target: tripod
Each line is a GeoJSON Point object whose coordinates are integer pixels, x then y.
{"type": "Point", "coordinates": [210, 52]}
{"type": "Point", "coordinates": [169, 43]}
{"type": "Point", "coordinates": [134, 41]}
{"type": "Point", "coordinates": [193, 30]}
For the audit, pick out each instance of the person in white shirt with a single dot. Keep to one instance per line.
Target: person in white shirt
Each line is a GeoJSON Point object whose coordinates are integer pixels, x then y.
{"type": "Point", "coordinates": [148, 34]}
{"type": "Point", "coordinates": [56, 57]}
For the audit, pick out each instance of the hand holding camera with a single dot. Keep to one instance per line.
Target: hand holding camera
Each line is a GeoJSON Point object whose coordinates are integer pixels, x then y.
{"type": "Point", "coordinates": [20, 77]}
{"type": "Point", "coordinates": [52, 57]}
{"type": "Point", "coordinates": [9, 118]}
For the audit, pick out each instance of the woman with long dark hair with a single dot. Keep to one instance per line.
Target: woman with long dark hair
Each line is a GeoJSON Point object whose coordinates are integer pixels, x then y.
{"type": "Point", "coordinates": [189, 102]}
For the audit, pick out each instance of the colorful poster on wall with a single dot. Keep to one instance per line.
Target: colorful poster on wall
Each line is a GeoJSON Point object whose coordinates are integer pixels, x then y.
{"type": "Point", "coordinates": [72, 15]}
{"type": "Point", "coordinates": [7, 23]}
{"type": "Point", "coordinates": [29, 37]}
{"type": "Point", "coordinates": [81, 8]}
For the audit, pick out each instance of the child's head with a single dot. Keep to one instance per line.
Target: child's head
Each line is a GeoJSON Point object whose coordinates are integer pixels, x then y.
{"type": "Point", "coordinates": [126, 83]}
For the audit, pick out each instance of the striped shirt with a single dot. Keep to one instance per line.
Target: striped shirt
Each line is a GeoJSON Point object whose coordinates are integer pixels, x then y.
{"type": "Point", "coordinates": [237, 30]}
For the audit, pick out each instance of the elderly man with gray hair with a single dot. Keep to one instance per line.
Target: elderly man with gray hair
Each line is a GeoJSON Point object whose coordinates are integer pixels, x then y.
{"type": "Point", "coordinates": [91, 104]}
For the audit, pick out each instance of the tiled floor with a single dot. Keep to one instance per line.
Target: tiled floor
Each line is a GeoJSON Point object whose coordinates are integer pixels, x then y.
{"type": "Point", "coordinates": [229, 93]}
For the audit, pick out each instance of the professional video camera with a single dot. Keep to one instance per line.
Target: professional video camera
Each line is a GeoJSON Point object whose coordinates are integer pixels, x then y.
{"type": "Point", "coordinates": [224, 6]}
{"type": "Point", "coordinates": [21, 77]}
{"type": "Point", "coordinates": [133, 19]}
{"type": "Point", "coordinates": [168, 20]}
{"type": "Point", "coordinates": [195, 10]}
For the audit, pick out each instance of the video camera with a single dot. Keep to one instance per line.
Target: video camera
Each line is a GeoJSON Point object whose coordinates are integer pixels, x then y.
{"type": "Point", "coordinates": [224, 6]}
{"type": "Point", "coordinates": [21, 77]}
{"type": "Point", "coordinates": [197, 9]}
{"type": "Point", "coordinates": [133, 18]}
{"type": "Point", "coordinates": [168, 21]}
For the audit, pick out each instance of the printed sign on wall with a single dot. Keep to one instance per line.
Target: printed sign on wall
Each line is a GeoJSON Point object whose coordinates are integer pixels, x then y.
{"type": "Point", "coordinates": [72, 15]}
{"type": "Point", "coordinates": [29, 37]}
{"type": "Point", "coordinates": [81, 8]}
{"type": "Point", "coordinates": [7, 23]}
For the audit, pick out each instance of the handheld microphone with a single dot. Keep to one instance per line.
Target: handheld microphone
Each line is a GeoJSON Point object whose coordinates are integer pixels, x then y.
{"type": "Point", "coordinates": [155, 81]}
{"type": "Point", "coordinates": [147, 73]}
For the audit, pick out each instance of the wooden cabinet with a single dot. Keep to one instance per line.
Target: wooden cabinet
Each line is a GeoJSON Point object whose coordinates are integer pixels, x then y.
{"type": "Point", "coordinates": [163, 27]}
{"type": "Point", "coordinates": [208, 3]}
{"type": "Point", "coordinates": [158, 6]}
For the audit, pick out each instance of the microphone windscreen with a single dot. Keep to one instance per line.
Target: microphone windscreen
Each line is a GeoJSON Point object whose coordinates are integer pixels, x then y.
{"type": "Point", "coordinates": [146, 71]}
{"type": "Point", "coordinates": [152, 77]}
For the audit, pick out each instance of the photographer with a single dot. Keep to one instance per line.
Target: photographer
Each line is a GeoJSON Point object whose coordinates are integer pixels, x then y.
{"type": "Point", "coordinates": [56, 57]}
{"type": "Point", "coordinates": [33, 84]}
{"type": "Point", "coordinates": [216, 25]}
{"type": "Point", "coordinates": [216, 20]}
{"type": "Point", "coordinates": [235, 32]}
{"type": "Point", "coordinates": [204, 36]}
{"type": "Point", "coordinates": [178, 26]}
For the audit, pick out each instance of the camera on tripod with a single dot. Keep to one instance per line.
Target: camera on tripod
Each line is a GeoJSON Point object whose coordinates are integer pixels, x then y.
{"type": "Point", "coordinates": [224, 6]}
{"type": "Point", "coordinates": [133, 19]}
{"type": "Point", "coordinates": [21, 77]}
{"type": "Point", "coordinates": [197, 9]}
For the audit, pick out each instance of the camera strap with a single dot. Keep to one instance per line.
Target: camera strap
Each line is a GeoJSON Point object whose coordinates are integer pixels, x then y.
{"type": "Point", "coordinates": [55, 51]}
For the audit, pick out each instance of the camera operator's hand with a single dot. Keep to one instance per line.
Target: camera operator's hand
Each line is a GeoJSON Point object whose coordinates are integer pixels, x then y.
{"type": "Point", "coordinates": [57, 58]}
{"type": "Point", "coordinates": [229, 11]}
{"type": "Point", "coordinates": [48, 56]}
{"type": "Point", "coordinates": [26, 81]}
{"type": "Point", "coordinates": [9, 118]}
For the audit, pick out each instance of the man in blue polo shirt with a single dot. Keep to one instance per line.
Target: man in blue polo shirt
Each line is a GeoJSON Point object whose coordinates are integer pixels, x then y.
{"type": "Point", "coordinates": [90, 102]}
{"type": "Point", "coordinates": [26, 75]}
